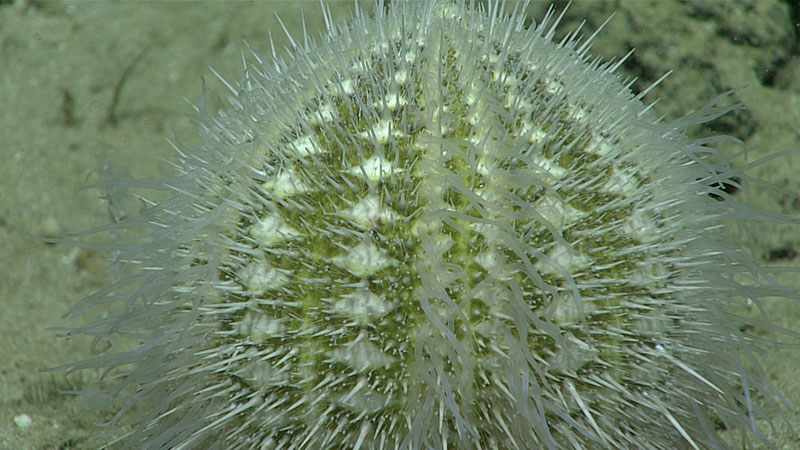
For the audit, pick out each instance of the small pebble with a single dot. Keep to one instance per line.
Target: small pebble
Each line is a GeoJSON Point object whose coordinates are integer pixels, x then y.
{"type": "Point", "coordinates": [50, 227]}
{"type": "Point", "coordinates": [23, 421]}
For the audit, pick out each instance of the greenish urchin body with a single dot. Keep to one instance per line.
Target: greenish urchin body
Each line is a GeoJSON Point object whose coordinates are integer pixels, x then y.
{"type": "Point", "coordinates": [437, 230]}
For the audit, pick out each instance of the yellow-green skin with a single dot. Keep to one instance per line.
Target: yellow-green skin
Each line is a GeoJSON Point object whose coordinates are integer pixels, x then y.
{"type": "Point", "coordinates": [439, 229]}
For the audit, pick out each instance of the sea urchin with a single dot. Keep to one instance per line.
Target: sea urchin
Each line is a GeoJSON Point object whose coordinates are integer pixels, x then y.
{"type": "Point", "coordinates": [436, 229]}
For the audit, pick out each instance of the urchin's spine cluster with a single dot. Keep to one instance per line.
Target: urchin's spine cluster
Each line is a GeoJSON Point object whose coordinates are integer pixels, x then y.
{"type": "Point", "coordinates": [438, 229]}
